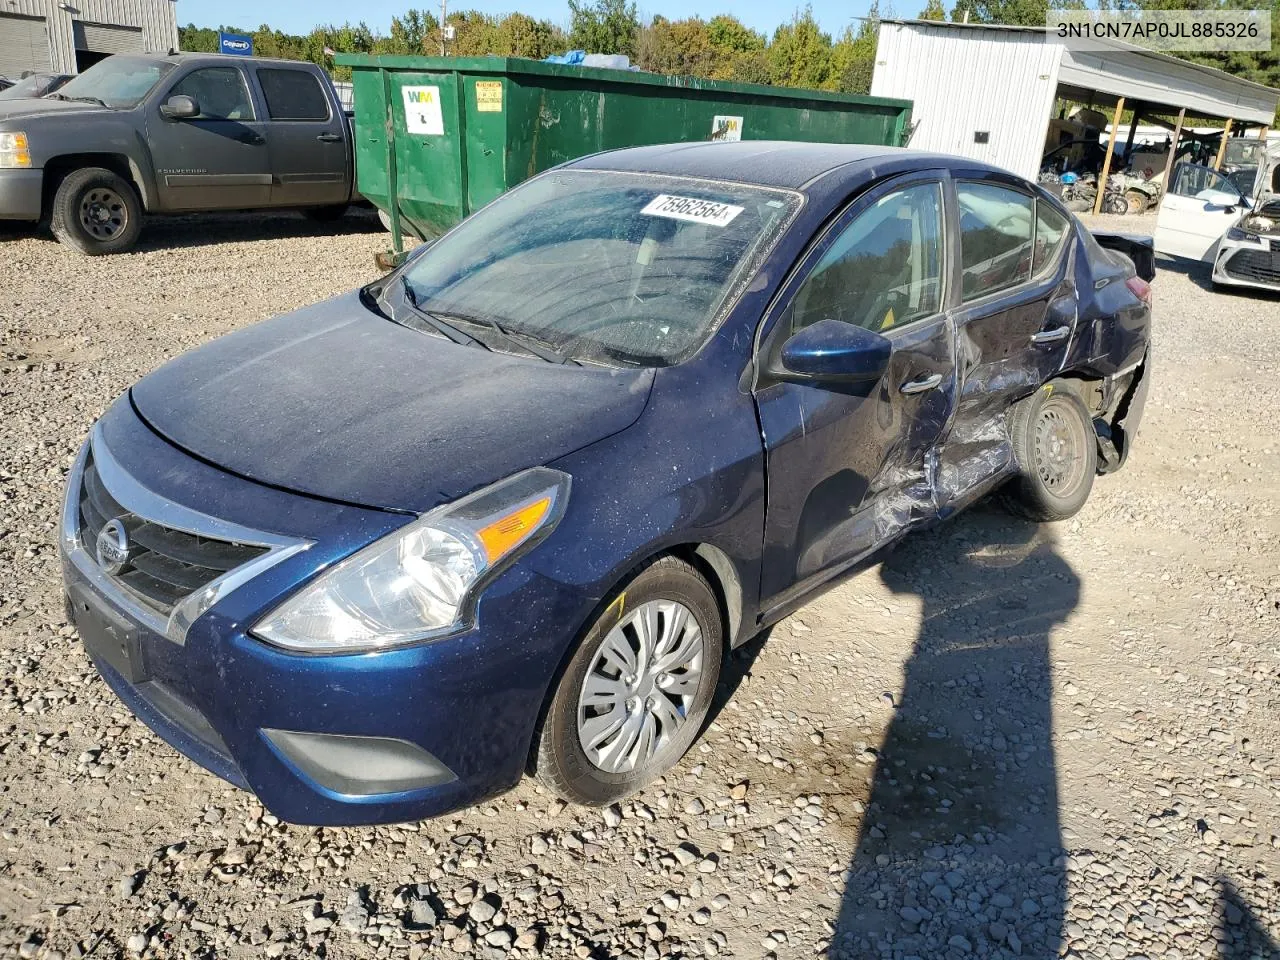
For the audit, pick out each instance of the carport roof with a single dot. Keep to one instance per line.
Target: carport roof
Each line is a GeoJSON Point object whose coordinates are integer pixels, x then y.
{"type": "Point", "coordinates": [1140, 76]}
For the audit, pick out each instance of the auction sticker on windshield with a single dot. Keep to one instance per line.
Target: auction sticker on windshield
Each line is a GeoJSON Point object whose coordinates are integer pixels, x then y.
{"type": "Point", "coordinates": [692, 209]}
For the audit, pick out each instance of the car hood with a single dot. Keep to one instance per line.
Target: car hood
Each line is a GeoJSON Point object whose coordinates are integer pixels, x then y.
{"type": "Point", "coordinates": [39, 107]}
{"type": "Point", "coordinates": [337, 402]}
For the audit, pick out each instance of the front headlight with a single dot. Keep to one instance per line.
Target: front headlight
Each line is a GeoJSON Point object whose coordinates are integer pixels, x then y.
{"type": "Point", "coordinates": [13, 150]}
{"type": "Point", "coordinates": [421, 580]}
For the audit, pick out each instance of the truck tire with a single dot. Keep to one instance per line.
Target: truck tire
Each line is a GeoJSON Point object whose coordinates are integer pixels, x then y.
{"type": "Point", "coordinates": [96, 212]}
{"type": "Point", "coordinates": [1056, 450]}
{"type": "Point", "coordinates": [325, 214]}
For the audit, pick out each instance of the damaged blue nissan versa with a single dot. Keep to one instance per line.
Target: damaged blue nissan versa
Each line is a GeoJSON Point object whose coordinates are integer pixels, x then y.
{"type": "Point", "coordinates": [507, 508]}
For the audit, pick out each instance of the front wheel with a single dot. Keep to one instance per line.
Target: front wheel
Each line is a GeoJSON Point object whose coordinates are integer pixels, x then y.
{"type": "Point", "coordinates": [635, 693]}
{"type": "Point", "coordinates": [96, 211]}
{"type": "Point", "coordinates": [1135, 202]}
{"type": "Point", "coordinates": [1056, 450]}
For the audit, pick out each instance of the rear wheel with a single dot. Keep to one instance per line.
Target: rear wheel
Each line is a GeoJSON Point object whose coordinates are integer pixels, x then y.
{"type": "Point", "coordinates": [636, 691]}
{"type": "Point", "coordinates": [96, 212]}
{"type": "Point", "coordinates": [1056, 450]}
{"type": "Point", "coordinates": [1135, 202]}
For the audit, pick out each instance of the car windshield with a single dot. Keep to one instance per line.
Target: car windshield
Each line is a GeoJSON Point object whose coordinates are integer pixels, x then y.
{"type": "Point", "coordinates": [603, 266]}
{"type": "Point", "coordinates": [117, 81]}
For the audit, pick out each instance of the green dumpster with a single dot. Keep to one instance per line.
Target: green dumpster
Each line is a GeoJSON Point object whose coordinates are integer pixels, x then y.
{"type": "Point", "coordinates": [446, 135]}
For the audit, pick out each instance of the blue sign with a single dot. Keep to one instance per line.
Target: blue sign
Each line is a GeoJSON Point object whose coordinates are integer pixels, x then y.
{"type": "Point", "coordinates": [236, 44]}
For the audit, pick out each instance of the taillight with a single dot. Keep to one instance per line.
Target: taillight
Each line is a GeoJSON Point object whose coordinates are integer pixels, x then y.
{"type": "Point", "coordinates": [1140, 289]}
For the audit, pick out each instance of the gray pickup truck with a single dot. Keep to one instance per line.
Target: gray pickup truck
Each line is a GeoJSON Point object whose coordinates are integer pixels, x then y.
{"type": "Point", "coordinates": [137, 135]}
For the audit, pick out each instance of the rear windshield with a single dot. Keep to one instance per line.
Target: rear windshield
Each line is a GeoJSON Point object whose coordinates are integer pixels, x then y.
{"type": "Point", "coordinates": [118, 81]}
{"type": "Point", "coordinates": [605, 266]}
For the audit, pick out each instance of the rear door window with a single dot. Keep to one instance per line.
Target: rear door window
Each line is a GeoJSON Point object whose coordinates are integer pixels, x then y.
{"type": "Point", "coordinates": [293, 95]}
{"type": "Point", "coordinates": [1191, 180]}
{"type": "Point", "coordinates": [995, 238]}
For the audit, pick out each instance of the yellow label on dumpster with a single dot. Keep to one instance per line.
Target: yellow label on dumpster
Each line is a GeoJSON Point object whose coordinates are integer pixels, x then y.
{"type": "Point", "coordinates": [489, 96]}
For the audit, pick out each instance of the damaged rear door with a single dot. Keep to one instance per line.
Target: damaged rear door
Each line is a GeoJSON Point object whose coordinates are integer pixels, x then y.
{"type": "Point", "coordinates": [847, 463]}
{"type": "Point", "coordinates": [1014, 325]}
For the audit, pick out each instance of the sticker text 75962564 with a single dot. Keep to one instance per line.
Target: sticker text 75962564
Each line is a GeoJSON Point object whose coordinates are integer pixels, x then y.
{"type": "Point", "coordinates": [691, 209]}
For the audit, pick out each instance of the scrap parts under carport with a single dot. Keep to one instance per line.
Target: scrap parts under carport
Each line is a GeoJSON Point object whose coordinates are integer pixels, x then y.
{"type": "Point", "coordinates": [988, 91]}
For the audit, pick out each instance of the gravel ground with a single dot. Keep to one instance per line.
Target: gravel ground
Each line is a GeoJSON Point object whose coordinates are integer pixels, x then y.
{"type": "Point", "coordinates": [1008, 740]}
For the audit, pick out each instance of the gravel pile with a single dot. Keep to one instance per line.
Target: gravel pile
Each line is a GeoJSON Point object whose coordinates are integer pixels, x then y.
{"type": "Point", "coordinates": [1008, 741]}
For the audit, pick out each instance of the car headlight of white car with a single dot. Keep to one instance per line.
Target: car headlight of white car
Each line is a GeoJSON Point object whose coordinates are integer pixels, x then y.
{"type": "Point", "coordinates": [421, 580]}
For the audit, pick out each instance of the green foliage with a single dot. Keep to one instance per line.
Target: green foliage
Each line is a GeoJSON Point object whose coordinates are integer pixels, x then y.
{"type": "Point", "coordinates": [604, 26]}
{"type": "Point", "coordinates": [799, 54]}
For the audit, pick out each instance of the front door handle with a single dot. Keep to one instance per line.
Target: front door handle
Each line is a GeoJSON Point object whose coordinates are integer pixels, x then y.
{"type": "Point", "coordinates": [254, 139]}
{"type": "Point", "coordinates": [921, 384]}
{"type": "Point", "coordinates": [330, 138]}
{"type": "Point", "coordinates": [1051, 336]}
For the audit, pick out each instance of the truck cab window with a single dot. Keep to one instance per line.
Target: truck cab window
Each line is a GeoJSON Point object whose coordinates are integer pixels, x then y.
{"type": "Point", "coordinates": [218, 91]}
{"type": "Point", "coordinates": [293, 95]}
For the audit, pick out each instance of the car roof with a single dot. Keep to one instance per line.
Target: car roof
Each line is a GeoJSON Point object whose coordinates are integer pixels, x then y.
{"type": "Point", "coordinates": [193, 57]}
{"type": "Point", "coordinates": [789, 164]}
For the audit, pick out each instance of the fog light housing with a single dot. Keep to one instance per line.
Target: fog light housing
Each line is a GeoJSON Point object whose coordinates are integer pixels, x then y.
{"type": "Point", "coordinates": [356, 766]}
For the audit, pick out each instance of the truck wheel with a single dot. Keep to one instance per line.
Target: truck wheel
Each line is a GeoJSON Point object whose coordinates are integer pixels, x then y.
{"type": "Point", "coordinates": [635, 693]}
{"type": "Point", "coordinates": [1056, 451]}
{"type": "Point", "coordinates": [1135, 202]}
{"type": "Point", "coordinates": [96, 212]}
{"type": "Point", "coordinates": [325, 214]}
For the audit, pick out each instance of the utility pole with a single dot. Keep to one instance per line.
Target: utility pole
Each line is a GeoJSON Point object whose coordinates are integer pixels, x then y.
{"type": "Point", "coordinates": [443, 14]}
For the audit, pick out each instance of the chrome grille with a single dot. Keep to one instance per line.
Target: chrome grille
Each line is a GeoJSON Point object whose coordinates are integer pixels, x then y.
{"type": "Point", "coordinates": [164, 564]}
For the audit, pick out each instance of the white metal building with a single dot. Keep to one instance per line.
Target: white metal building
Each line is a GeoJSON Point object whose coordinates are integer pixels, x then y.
{"type": "Point", "coordinates": [987, 91]}
{"type": "Point", "coordinates": [66, 36]}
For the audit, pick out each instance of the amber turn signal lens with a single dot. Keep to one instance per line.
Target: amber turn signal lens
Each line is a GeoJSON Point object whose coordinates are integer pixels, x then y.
{"type": "Point", "coordinates": [502, 536]}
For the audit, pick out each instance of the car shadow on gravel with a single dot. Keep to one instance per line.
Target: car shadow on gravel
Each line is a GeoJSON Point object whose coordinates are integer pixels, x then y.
{"type": "Point", "coordinates": [168, 233]}
{"type": "Point", "coordinates": [959, 852]}
{"type": "Point", "coordinates": [1239, 933]}
{"type": "Point", "coordinates": [179, 232]}
{"type": "Point", "coordinates": [1201, 274]}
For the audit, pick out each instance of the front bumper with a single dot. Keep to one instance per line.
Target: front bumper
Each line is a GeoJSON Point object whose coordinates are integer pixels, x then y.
{"type": "Point", "coordinates": [20, 194]}
{"type": "Point", "coordinates": [347, 739]}
{"type": "Point", "coordinates": [1245, 263]}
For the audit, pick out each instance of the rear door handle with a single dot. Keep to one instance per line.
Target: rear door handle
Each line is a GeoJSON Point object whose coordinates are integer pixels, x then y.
{"type": "Point", "coordinates": [921, 384]}
{"type": "Point", "coordinates": [1051, 336]}
{"type": "Point", "coordinates": [330, 137]}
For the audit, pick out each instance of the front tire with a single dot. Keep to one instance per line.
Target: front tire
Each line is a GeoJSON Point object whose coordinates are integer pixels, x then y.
{"type": "Point", "coordinates": [96, 212]}
{"type": "Point", "coordinates": [635, 693]}
{"type": "Point", "coordinates": [1056, 450]}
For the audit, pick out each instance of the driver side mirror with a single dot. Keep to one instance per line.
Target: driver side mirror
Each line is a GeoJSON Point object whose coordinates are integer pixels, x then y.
{"type": "Point", "coordinates": [180, 107]}
{"type": "Point", "coordinates": [834, 351]}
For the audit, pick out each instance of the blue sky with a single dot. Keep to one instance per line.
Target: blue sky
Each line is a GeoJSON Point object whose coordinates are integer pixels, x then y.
{"type": "Point", "coordinates": [299, 16]}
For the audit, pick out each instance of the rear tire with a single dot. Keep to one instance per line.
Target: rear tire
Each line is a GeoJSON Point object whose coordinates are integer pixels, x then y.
{"type": "Point", "coordinates": [1135, 202]}
{"type": "Point", "coordinates": [96, 212]}
{"type": "Point", "coordinates": [1056, 450]}
{"type": "Point", "coordinates": [325, 214]}
{"type": "Point", "coordinates": [635, 693]}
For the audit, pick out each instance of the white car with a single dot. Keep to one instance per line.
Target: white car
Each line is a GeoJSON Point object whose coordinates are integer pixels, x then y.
{"type": "Point", "coordinates": [1205, 217]}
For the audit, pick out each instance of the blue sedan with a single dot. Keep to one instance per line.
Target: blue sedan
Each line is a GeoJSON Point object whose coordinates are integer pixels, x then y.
{"type": "Point", "coordinates": [508, 508]}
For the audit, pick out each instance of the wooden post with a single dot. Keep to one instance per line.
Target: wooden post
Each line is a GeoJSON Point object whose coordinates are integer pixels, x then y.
{"type": "Point", "coordinates": [1106, 163]}
{"type": "Point", "coordinates": [1173, 149]}
{"type": "Point", "coordinates": [1133, 130]}
{"type": "Point", "coordinates": [1222, 147]}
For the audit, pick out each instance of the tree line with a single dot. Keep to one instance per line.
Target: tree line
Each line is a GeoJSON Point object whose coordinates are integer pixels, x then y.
{"type": "Point", "coordinates": [799, 53]}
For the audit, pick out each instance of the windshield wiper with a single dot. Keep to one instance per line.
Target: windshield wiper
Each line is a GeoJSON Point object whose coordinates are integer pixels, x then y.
{"type": "Point", "coordinates": [422, 318]}
{"type": "Point", "coordinates": [97, 100]}
{"type": "Point", "coordinates": [525, 341]}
